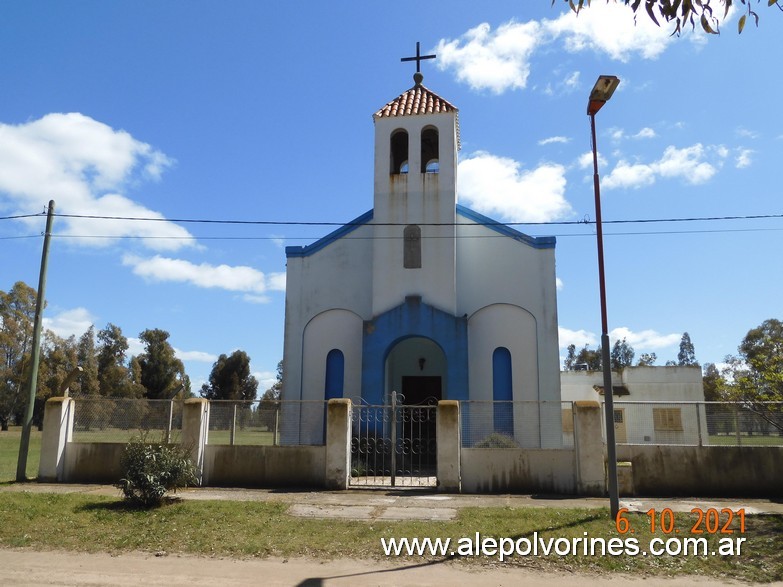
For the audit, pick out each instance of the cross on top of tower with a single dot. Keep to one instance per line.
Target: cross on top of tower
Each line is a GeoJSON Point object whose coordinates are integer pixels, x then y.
{"type": "Point", "coordinates": [418, 59]}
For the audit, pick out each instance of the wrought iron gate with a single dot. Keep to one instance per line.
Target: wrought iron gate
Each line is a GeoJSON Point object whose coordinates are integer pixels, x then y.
{"type": "Point", "coordinates": [393, 445]}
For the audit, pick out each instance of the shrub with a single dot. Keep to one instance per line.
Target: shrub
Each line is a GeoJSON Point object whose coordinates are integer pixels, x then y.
{"type": "Point", "coordinates": [152, 469]}
{"type": "Point", "coordinates": [497, 440]}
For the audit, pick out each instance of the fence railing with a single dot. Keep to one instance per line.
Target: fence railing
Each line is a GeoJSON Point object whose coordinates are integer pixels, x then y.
{"type": "Point", "coordinates": [101, 419]}
{"type": "Point", "coordinates": [517, 424]}
{"type": "Point", "coordinates": [699, 423]}
{"type": "Point", "coordinates": [485, 424]}
{"type": "Point", "coordinates": [244, 422]}
{"type": "Point", "coordinates": [259, 423]}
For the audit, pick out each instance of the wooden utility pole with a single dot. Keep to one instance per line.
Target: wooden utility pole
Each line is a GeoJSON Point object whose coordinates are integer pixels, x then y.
{"type": "Point", "coordinates": [24, 445]}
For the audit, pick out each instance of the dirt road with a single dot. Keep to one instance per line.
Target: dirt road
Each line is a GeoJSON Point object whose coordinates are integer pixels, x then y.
{"type": "Point", "coordinates": [28, 568]}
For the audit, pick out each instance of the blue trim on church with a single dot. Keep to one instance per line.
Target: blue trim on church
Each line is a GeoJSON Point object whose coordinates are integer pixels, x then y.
{"type": "Point", "coordinates": [537, 242]}
{"type": "Point", "coordinates": [329, 238]}
{"type": "Point", "coordinates": [414, 318]}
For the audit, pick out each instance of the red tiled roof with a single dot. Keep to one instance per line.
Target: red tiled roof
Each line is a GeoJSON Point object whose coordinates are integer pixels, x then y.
{"type": "Point", "coordinates": [417, 100]}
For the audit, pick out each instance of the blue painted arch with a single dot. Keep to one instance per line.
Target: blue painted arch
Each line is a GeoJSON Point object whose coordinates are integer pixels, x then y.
{"type": "Point", "coordinates": [414, 318]}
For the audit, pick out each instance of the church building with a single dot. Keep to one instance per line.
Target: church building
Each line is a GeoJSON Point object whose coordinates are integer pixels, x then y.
{"type": "Point", "coordinates": [420, 295]}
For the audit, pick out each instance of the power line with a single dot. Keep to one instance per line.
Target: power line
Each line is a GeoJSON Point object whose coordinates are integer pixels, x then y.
{"type": "Point", "coordinates": [489, 223]}
{"type": "Point", "coordinates": [349, 237]}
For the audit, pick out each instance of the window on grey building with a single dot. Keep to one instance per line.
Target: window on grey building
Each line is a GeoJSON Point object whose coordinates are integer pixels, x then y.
{"type": "Point", "coordinates": [412, 247]}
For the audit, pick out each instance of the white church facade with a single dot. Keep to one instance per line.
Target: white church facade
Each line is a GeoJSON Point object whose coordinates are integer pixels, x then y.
{"type": "Point", "coordinates": [420, 295]}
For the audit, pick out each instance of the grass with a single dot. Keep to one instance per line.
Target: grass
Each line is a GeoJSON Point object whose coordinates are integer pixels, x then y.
{"type": "Point", "coordinates": [9, 453]}
{"type": "Point", "coordinates": [745, 440]}
{"type": "Point", "coordinates": [92, 523]}
{"type": "Point", "coordinates": [244, 436]}
{"type": "Point", "coordinates": [258, 529]}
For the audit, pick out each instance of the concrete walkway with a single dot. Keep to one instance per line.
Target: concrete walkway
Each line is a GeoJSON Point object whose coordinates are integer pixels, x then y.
{"type": "Point", "coordinates": [402, 504]}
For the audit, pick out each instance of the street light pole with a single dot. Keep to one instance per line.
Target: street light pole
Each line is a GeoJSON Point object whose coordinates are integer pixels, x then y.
{"type": "Point", "coordinates": [603, 90]}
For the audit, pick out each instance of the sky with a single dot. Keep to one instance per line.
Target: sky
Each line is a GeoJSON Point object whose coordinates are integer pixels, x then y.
{"type": "Point", "coordinates": [262, 111]}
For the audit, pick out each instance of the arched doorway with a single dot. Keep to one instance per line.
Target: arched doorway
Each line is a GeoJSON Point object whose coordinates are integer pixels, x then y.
{"type": "Point", "coordinates": [416, 367]}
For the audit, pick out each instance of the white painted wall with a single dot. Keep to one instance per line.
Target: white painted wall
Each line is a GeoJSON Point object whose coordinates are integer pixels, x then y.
{"type": "Point", "coordinates": [415, 198]}
{"type": "Point", "coordinates": [492, 270]}
{"type": "Point", "coordinates": [333, 277]}
{"type": "Point", "coordinates": [333, 329]}
{"type": "Point", "coordinates": [647, 384]}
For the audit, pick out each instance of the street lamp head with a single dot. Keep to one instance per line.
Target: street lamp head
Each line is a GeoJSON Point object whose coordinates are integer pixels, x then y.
{"type": "Point", "coordinates": [602, 91]}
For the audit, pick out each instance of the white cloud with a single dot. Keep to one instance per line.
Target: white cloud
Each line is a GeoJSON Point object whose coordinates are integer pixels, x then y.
{"type": "Point", "coordinates": [84, 165]}
{"type": "Point", "coordinates": [627, 175]}
{"type": "Point", "coordinates": [578, 338]}
{"type": "Point", "coordinates": [551, 140]}
{"type": "Point", "coordinates": [500, 60]}
{"type": "Point", "coordinates": [746, 133]}
{"type": "Point", "coordinates": [688, 164]}
{"type": "Point", "coordinates": [70, 322]}
{"type": "Point", "coordinates": [744, 158]}
{"type": "Point", "coordinates": [497, 186]}
{"type": "Point", "coordinates": [570, 83]}
{"type": "Point", "coordinates": [265, 380]}
{"type": "Point", "coordinates": [496, 61]}
{"type": "Point", "coordinates": [135, 346]}
{"type": "Point", "coordinates": [585, 160]}
{"type": "Point", "coordinates": [645, 133]}
{"type": "Point", "coordinates": [237, 278]}
{"type": "Point", "coordinates": [558, 283]}
{"type": "Point", "coordinates": [645, 339]}
{"type": "Point", "coordinates": [195, 356]}
{"type": "Point", "coordinates": [610, 28]}
{"type": "Point", "coordinates": [616, 134]}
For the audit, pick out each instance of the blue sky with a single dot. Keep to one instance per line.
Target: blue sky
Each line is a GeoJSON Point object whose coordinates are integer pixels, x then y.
{"type": "Point", "coordinates": [262, 111]}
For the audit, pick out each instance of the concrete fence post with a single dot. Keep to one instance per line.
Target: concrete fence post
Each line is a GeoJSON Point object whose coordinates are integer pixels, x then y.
{"type": "Point", "coordinates": [449, 442]}
{"type": "Point", "coordinates": [57, 433]}
{"type": "Point", "coordinates": [195, 430]}
{"type": "Point", "coordinates": [589, 448]}
{"type": "Point", "coordinates": [338, 443]}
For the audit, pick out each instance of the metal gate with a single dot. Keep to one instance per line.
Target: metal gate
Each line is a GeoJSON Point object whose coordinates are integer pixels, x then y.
{"type": "Point", "coordinates": [393, 445]}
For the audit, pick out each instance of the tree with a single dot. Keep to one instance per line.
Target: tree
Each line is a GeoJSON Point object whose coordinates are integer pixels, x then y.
{"type": "Point", "coordinates": [713, 383]}
{"type": "Point", "coordinates": [687, 355]}
{"type": "Point", "coordinates": [17, 310]}
{"type": "Point", "coordinates": [114, 377]}
{"type": "Point", "coordinates": [687, 12]}
{"type": "Point", "coordinates": [591, 359]}
{"type": "Point", "coordinates": [570, 360]}
{"type": "Point", "coordinates": [273, 393]}
{"type": "Point", "coordinates": [162, 373]}
{"type": "Point", "coordinates": [756, 375]}
{"type": "Point", "coordinates": [59, 358]}
{"type": "Point", "coordinates": [88, 383]}
{"type": "Point", "coordinates": [647, 360]}
{"type": "Point", "coordinates": [231, 379]}
{"type": "Point", "coordinates": [622, 355]}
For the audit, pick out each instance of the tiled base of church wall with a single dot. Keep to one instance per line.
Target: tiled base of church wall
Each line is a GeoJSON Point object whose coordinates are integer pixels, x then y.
{"type": "Point", "coordinates": [264, 466]}
{"type": "Point", "coordinates": [720, 471]}
{"type": "Point", "coordinates": [511, 470]}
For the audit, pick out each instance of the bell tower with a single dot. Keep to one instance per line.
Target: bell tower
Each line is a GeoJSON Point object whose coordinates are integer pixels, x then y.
{"type": "Point", "coordinates": [415, 196]}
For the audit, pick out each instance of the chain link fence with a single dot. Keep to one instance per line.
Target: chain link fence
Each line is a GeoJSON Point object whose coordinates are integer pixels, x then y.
{"type": "Point", "coordinates": [699, 423]}
{"type": "Point", "coordinates": [101, 419]}
{"type": "Point", "coordinates": [267, 422]}
{"type": "Point", "coordinates": [517, 424]}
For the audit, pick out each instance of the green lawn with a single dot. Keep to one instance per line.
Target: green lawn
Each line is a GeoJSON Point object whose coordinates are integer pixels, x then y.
{"type": "Point", "coordinates": [257, 529]}
{"type": "Point", "coordinates": [745, 440]}
{"type": "Point", "coordinates": [9, 453]}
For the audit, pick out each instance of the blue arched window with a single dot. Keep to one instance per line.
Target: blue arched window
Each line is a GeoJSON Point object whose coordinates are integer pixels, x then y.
{"type": "Point", "coordinates": [502, 391]}
{"type": "Point", "coordinates": [335, 374]}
